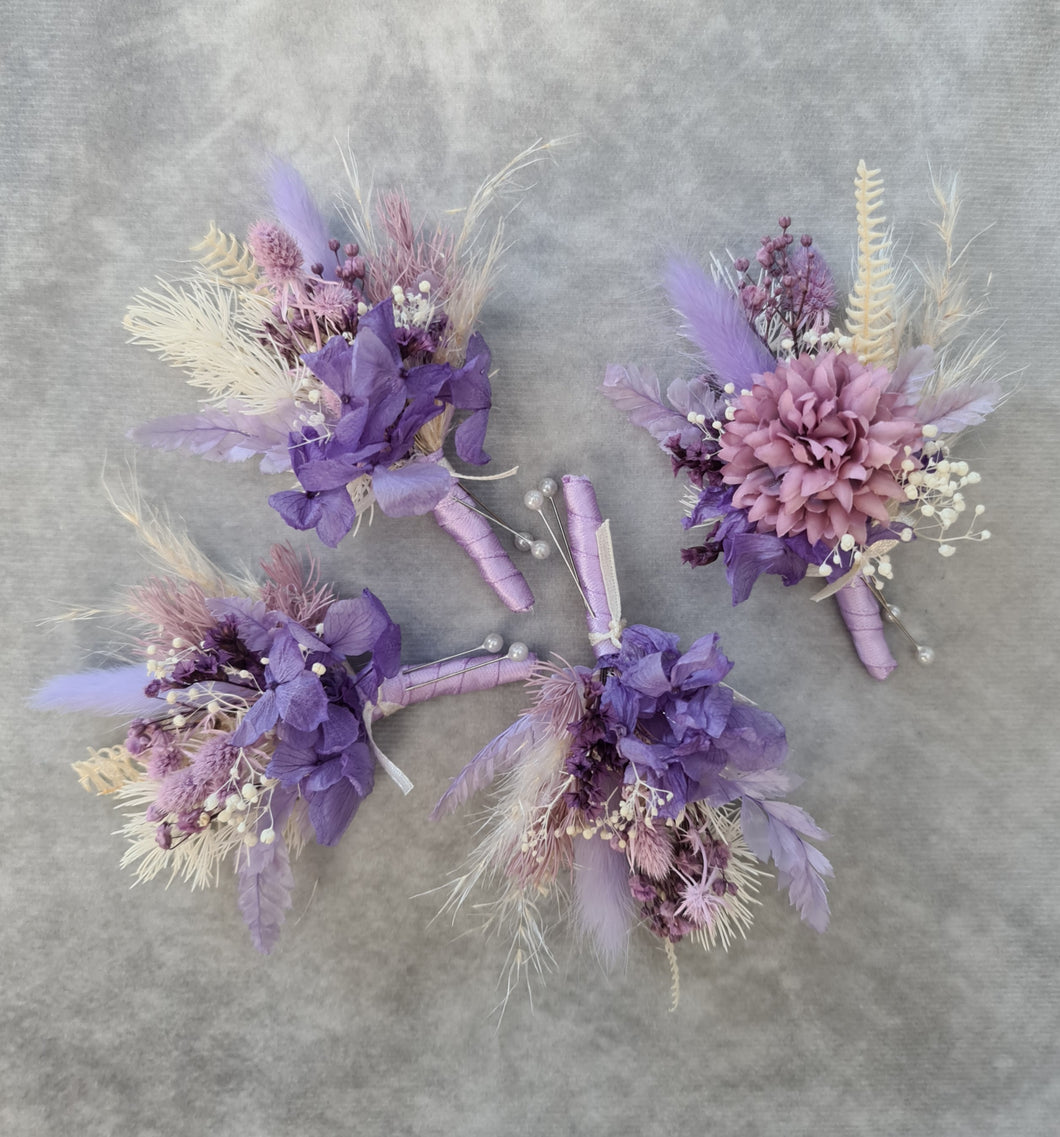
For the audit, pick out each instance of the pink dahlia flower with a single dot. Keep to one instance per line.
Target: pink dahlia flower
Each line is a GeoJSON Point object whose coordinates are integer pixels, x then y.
{"type": "Point", "coordinates": [815, 447]}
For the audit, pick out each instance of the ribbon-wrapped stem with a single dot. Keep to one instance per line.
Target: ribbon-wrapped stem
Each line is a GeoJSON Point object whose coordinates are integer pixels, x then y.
{"type": "Point", "coordinates": [583, 524]}
{"type": "Point", "coordinates": [861, 614]}
{"type": "Point", "coordinates": [454, 677]}
{"type": "Point", "coordinates": [456, 514]}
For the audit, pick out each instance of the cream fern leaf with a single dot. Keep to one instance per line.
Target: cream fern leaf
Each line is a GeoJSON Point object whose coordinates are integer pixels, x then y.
{"type": "Point", "coordinates": [870, 312]}
{"type": "Point", "coordinates": [213, 332]}
{"type": "Point", "coordinates": [225, 258]}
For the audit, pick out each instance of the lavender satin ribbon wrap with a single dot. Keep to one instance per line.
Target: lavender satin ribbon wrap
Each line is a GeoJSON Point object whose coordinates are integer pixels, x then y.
{"type": "Point", "coordinates": [861, 614]}
{"type": "Point", "coordinates": [583, 523]}
{"type": "Point", "coordinates": [454, 677]}
{"type": "Point", "coordinates": [473, 533]}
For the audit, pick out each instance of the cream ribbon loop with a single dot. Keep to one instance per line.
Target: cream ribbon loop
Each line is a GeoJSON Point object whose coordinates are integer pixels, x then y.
{"type": "Point", "coordinates": [606, 551]}
{"type": "Point", "coordinates": [398, 777]}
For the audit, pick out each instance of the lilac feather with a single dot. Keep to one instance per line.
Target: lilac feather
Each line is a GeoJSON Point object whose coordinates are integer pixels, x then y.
{"type": "Point", "coordinates": [772, 830]}
{"type": "Point", "coordinates": [228, 435]}
{"type": "Point", "coordinates": [961, 406]}
{"type": "Point", "coordinates": [715, 323]}
{"type": "Point", "coordinates": [636, 394]}
{"type": "Point", "coordinates": [113, 691]}
{"type": "Point", "coordinates": [527, 732]}
{"type": "Point", "coordinates": [603, 904]}
{"type": "Point", "coordinates": [296, 212]}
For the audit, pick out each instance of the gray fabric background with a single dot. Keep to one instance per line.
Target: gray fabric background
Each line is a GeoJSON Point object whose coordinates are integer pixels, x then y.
{"type": "Point", "coordinates": [930, 1007]}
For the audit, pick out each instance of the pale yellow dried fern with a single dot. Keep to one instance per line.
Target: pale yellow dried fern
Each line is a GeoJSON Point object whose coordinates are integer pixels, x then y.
{"type": "Point", "coordinates": [105, 771]}
{"type": "Point", "coordinates": [870, 311]}
{"type": "Point", "coordinates": [225, 258]}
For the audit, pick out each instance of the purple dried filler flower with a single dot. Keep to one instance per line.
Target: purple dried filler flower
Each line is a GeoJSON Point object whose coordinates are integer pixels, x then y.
{"type": "Point", "coordinates": [253, 721]}
{"type": "Point", "coordinates": [811, 449]}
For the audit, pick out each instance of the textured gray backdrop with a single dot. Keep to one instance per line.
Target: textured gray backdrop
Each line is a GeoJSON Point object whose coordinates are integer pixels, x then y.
{"type": "Point", "coordinates": [930, 1007]}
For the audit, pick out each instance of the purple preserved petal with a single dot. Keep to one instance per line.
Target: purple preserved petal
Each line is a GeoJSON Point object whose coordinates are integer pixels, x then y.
{"type": "Point", "coordinates": [302, 702]}
{"type": "Point", "coordinates": [286, 661]}
{"type": "Point", "coordinates": [703, 663]}
{"type": "Point", "coordinates": [332, 810]}
{"type": "Point", "coordinates": [261, 717]}
{"type": "Point", "coordinates": [339, 730]}
{"type": "Point", "coordinates": [410, 490]}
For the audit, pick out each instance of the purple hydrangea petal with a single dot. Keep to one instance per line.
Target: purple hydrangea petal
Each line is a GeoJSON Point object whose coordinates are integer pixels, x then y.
{"type": "Point", "coordinates": [261, 717]}
{"type": "Point", "coordinates": [286, 661]}
{"type": "Point", "coordinates": [748, 555]}
{"type": "Point", "coordinates": [703, 663]}
{"type": "Point", "coordinates": [753, 739]}
{"type": "Point", "coordinates": [332, 810]}
{"type": "Point", "coordinates": [302, 702]}
{"type": "Point", "coordinates": [340, 730]}
{"type": "Point", "coordinates": [412, 489]}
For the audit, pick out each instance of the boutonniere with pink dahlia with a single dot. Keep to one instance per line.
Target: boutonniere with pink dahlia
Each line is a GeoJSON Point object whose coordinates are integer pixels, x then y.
{"type": "Point", "coordinates": [816, 441]}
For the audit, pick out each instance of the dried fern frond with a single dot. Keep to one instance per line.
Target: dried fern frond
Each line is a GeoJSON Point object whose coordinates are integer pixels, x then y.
{"type": "Point", "coordinates": [214, 332]}
{"type": "Point", "coordinates": [870, 314]}
{"type": "Point", "coordinates": [226, 259]}
{"type": "Point", "coordinates": [107, 770]}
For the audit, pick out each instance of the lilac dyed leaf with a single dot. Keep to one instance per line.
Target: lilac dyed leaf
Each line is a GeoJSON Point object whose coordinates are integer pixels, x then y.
{"type": "Point", "coordinates": [636, 394]}
{"type": "Point", "coordinates": [959, 407]}
{"type": "Point", "coordinates": [412, 489]}
{"type": "Point", "coordinates": [265, 892]}
{"type": "Point", "coordinates": [771, 830]}
{"type": "Point", "coordinates": [265, 878]}
{"type": "Point", "coordinates": [108, 691]}
{"type": "Point", "coordinates": [510, 747]}
{"type": "Point", "coordinates": [695, 396]}
{"type": "Point", "coordinates": [715, 323]}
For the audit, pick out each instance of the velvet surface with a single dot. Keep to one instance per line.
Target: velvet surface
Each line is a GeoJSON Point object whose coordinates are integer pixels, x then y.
{"type": "Point", "coordinates": [931, 1004]}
